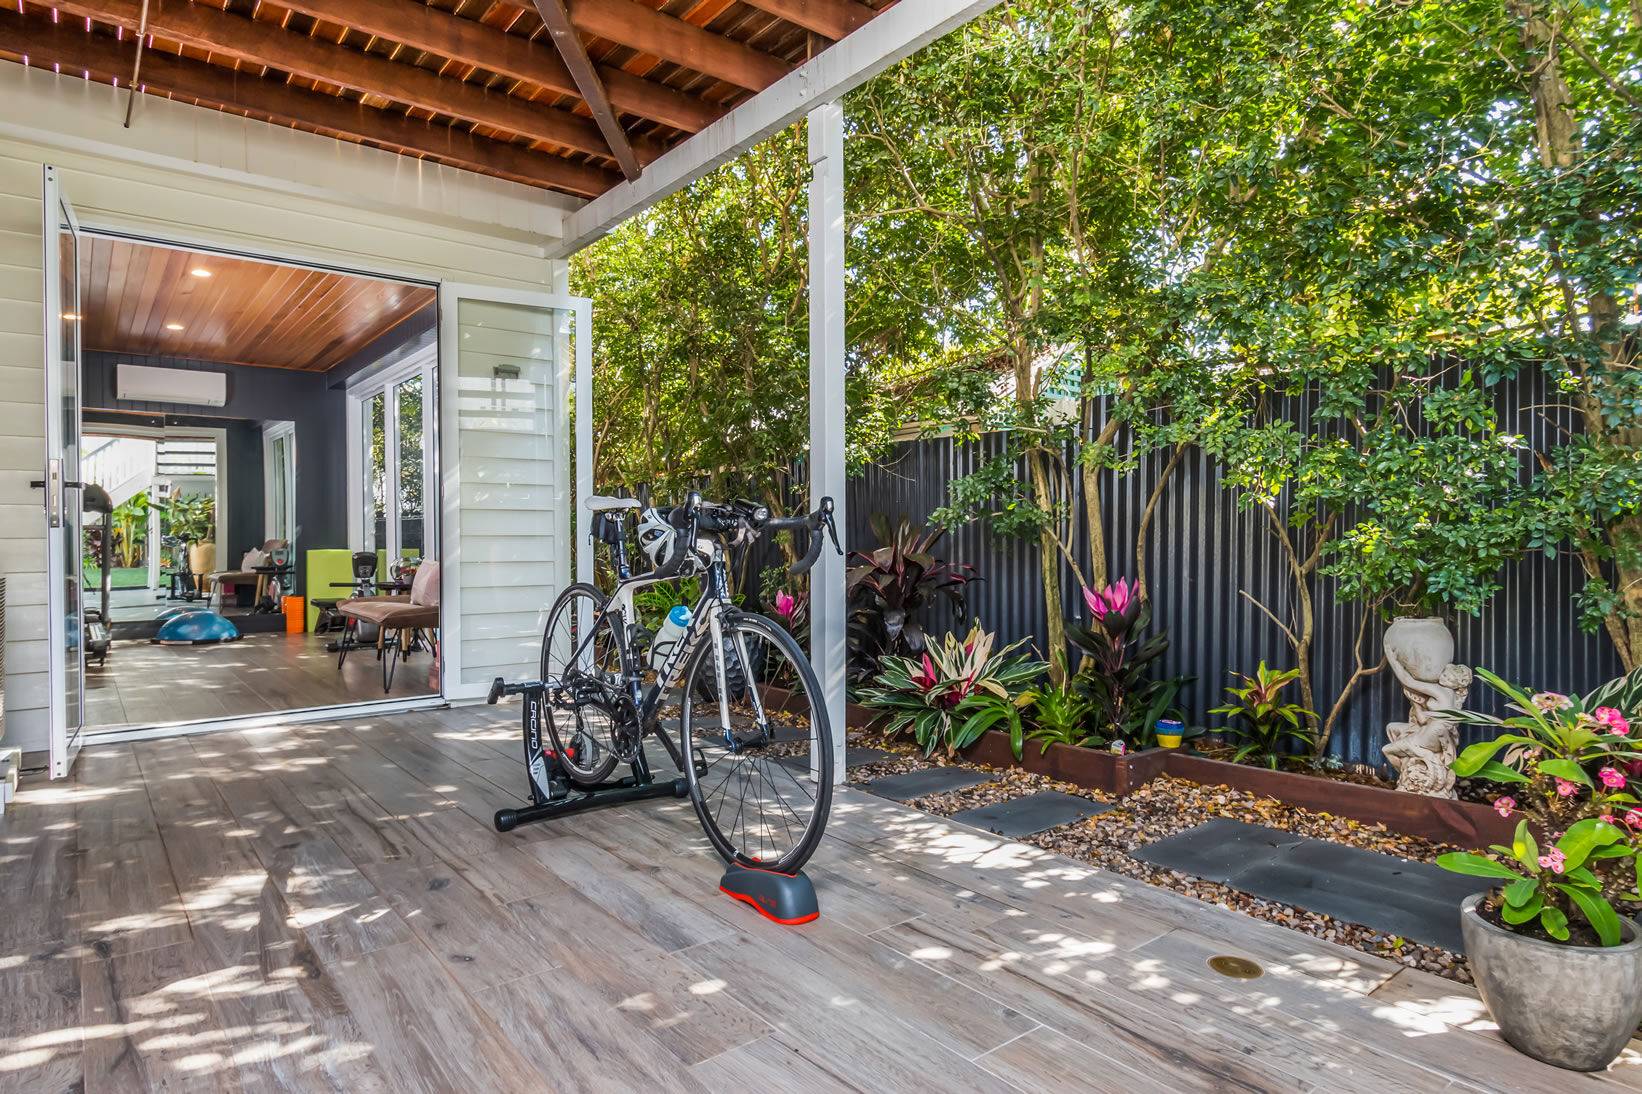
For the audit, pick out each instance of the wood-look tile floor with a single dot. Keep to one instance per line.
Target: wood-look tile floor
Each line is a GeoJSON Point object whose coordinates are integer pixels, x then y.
{"type": "Point", "coordinates": [146, 683]}
{"type": "Point", "coordinates": [326, 907]}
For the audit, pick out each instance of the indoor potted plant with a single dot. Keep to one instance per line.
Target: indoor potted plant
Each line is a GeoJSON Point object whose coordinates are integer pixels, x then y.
{"type": "Point", "coordinates": [1558, 968]}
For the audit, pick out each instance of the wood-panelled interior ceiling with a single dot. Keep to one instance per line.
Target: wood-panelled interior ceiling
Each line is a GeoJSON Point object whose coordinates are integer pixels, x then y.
{"type": "Point", "coordinates": [570, 95]}
{"type": "Point", "coordinates": [136, 298]}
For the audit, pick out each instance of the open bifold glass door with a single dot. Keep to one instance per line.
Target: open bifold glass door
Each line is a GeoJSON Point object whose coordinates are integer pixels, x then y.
{"type": "Point", "coordinates": [63, 488]}
{"type": "Point", "coordinates": [506, 366]}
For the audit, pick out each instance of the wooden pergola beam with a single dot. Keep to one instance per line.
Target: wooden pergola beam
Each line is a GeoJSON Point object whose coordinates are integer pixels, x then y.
{"type": "Point", "coordinates": [68, 45]}
{"type": "Point", "coordinates": [420, 27]}
{"type": "Point", "coordinates": [630, 23]}
{"type": "Point", "coordinates": [574, 52]}
{"type": "Point", "coordinates": [268, 44]}
{"type": "Point", "coordinates": [829, 18]}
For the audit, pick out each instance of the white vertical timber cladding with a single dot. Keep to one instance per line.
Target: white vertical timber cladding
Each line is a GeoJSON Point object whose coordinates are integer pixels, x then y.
{"type": "Point", "coordinates": [504, 404]}
{"type": "Point", "coordinates": [828, 649]}
{"type": "Point", "coordinates": [204, 178]}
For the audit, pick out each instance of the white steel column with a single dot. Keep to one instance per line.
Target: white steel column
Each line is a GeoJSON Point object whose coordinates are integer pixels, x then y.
{"type": "Point", "coordinates": [828, 651]}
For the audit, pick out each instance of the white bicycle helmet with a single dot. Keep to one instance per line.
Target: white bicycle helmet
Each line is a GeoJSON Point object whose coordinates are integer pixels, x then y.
{"type": "Point", "coordinates": [657, 538]}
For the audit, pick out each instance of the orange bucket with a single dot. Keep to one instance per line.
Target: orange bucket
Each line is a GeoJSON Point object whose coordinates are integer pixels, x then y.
{"type": "Point", "coordinates": [296, 615]}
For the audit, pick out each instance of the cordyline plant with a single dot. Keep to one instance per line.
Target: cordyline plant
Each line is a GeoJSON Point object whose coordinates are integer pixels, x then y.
{"type": "Point", "coordinates": [890, 587]}
{"type": "Point", "coordinates": [1116, 673]}
{"type": "Point", "coordinates": [956, 691]}
{"type": "Point", "coordinates": [1577, 847]}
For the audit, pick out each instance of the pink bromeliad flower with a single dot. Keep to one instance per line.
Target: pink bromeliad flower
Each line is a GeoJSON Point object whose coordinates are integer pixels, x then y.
{"type": "Point", "coordinates": [785, 602]}
{"type": "Point", "coordinates": [1615, 721]}
{"type": "Point", "coordinates": [1566, 789]}
{"type": "Point", "coordinates": [1116, 597]}
{"type": "Point", "coordinates": [1504, 805]}
{"type": "Point", "coordinates": [1611, 778]}
{"type": "Point", "coordinates": [927, 678]}
{"type": "Point", "coordinates": [1553, 860]}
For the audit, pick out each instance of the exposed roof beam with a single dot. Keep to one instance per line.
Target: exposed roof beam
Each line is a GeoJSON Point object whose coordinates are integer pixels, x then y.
{"type": "Point", "coordinates": [421, 27]}
{"type": "Point", "coordinates": [68, 45]}
{"type": "Point", "coordinates": [630, 23]}
{"type": "Point", "coordinates": [829, 18]}
{"type": "Point", "coordinates": [262, 43]}
{"type": "Point", "coordinates": [896, 34]}
{"type": "Point", "coordinates": [574, 52]}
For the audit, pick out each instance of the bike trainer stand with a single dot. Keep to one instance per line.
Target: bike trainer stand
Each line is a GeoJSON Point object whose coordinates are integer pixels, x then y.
{"type": "Point", "coordinates": [552, 794]}
{"type": "Point", "coordinates": [788, 899]}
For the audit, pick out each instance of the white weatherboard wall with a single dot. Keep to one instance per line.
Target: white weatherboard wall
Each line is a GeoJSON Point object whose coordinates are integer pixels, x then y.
{"type": "Point", "coordinates": [511, 508]}
{"type": "Point", "coordinates": [206, 178]}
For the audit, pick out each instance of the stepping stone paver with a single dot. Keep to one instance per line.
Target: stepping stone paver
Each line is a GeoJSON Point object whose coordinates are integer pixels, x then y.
{"type": "Point", "coordinates": [1033, 813]}
{"type": "Point", "coordinates": [926, 781]}
{"type": "Point", "coordinates": [1415, 900]}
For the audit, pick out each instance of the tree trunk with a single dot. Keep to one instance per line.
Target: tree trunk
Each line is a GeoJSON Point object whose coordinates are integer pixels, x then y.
{"type": "Point", "coordinates": [1049, 565]}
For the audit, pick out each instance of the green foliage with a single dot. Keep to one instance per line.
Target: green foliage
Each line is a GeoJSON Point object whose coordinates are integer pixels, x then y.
{"type": "Point", "coordinates": [1263, 719]}
{"type": "Point", "coordinates": [955, 692]}
{"type": "Point", "coordinates": [1568, 760]}
{"type": "Point", "coordinates": [1062, 715]}
{"type": "Point", "coordinates": [1116, 674]}
{"type": "Point", "coordinates": [893, 588]}
{"type": "Point", "coordinates": [192, 517]}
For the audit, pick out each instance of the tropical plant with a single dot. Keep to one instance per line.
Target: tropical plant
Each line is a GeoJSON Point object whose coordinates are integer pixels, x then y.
{"type": "Point", "coordinates": [1061, 714]}
{"type": "Point", "coordinates": [1263, 719]}
{"type": "Point", "coordinates": [892, 588]}
{"type": "Point", "coordinates": [1116, 672]}
{"type": "Point", "coordinates": [1574, 851]}
{"type": "Point", "coordinates": [192, 517]}
{"type": "Point", "coordinates": [955, 691]}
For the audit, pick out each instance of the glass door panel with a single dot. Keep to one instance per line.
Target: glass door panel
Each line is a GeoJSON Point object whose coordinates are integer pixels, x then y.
{"type": "Point", "coordinates": [409, 518]}
{"type": "Point", "coordinates": [62, 483]}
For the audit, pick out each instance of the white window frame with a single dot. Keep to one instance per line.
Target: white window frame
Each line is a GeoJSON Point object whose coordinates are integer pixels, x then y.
{"type": "Point", "coordinates": [271, 433]}
{"type": "Point", "coordinates": [360, 390]}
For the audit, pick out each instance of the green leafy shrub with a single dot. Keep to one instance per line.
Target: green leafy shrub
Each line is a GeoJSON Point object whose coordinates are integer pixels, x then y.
{"type": "Point", "coordinates": [1116, 676]}
{"type": "Point", "coordinates": [892, 587]}
{"type": "Point", "coordinates": [1586, 854]}
{"type": "Point", "coordinates": [956, 691]}
{"type": "Point", "coordinates": [1261, 717]}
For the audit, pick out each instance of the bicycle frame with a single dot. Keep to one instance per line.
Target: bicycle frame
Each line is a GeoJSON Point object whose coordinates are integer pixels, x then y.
{"type": "Point", "coordinates": [706, 622]}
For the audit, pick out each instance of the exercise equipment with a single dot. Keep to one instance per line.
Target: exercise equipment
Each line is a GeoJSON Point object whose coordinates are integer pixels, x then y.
{"type": "Point", "coordinates": [552, 791]}
{"type": "Point", "coordinates": [198, 627]}
{"type": "Point", "coordinates": [784, 898]}
{"type": "Point", "coordinates": [94, 621]}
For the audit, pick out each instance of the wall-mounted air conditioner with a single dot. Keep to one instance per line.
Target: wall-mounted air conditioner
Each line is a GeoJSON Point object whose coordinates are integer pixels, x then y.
{"type": "Point", "coordinates": [146, 384]}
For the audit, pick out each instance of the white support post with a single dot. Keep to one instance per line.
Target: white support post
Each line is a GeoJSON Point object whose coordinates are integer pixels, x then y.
{"type": "Point", "coordinates": [583, 387]}
{"type": "Point", "coordinates": [828, 650]}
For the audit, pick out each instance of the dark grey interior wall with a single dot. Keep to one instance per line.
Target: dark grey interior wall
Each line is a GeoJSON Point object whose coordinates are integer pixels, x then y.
{"type": "Point", "coordinates": [259, 394]}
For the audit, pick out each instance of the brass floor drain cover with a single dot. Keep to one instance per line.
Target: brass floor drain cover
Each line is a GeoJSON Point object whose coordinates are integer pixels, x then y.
{"type": "Point", "coordinates": [1239, 968]}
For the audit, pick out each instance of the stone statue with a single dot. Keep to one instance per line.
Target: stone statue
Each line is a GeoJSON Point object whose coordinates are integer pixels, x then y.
{"type": "Point", "coordinates": [1422, 747]}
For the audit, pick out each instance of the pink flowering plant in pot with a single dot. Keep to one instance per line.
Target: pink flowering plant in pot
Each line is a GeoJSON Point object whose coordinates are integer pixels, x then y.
{"type": "Point", "coordinates": [1559, 968]}
{"type": "Point", "coordinates": [1575, 850]}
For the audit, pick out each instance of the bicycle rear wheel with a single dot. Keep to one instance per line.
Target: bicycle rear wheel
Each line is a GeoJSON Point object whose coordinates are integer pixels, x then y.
{"type": "Point", "coordinates": [581, 664]}
{"type": "Point", "coordinates": [764, 785]}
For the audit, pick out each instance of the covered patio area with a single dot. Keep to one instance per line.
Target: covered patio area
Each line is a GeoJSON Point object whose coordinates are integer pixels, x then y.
{"type": "Point", "coordinates": [326, 907]}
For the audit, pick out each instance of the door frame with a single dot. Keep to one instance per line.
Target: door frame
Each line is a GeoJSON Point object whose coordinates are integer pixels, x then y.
{"type": "Point", "coordinates": [363, 708]}
{"type": "Point", "coordinates": [426, 363]}
{"type": "Point", "coordinates": [63, 740]}
{"type": "Point", "coordinates": [574, 380]}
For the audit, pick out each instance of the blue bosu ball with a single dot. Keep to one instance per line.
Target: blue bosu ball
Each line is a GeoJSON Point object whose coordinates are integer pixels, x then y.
{"type": "Point", "coordinates": [195, 627]}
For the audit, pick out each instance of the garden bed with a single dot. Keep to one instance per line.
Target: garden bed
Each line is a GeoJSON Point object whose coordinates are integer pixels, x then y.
{"type": "Point", "coordinates": [1440, 820]}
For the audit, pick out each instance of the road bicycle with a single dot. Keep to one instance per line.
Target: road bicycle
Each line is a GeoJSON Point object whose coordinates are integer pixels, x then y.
{"type": "Point", "coordinates": [754, 744]}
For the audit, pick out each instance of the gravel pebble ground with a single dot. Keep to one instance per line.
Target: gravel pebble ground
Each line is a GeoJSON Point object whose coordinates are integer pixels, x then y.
{"type": "Point", "coordinates": [1165, 806]}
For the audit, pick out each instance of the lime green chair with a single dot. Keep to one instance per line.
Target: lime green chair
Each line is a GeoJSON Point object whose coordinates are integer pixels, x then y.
{"type": "Point", "coordinates": [325, 567]}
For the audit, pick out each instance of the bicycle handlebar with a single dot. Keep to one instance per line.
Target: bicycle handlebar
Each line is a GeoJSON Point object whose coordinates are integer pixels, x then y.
{"type": "Point", "coordinates": [695, 515]}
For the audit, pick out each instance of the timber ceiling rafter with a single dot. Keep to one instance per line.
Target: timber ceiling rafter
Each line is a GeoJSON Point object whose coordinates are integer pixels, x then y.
{"type": "Point", "coordinates": [569, 95]}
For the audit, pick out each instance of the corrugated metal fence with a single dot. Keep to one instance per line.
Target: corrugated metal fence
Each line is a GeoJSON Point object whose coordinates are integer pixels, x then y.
{"type": "Point", "coordinates": [1204, 552]}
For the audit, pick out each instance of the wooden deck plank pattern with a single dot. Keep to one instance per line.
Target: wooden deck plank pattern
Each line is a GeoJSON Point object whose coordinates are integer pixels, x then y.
{"type": "Point", "coordinates": [324, 907]}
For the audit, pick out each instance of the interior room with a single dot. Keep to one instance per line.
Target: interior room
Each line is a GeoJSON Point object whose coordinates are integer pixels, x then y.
{"type": "Point", "coordinates": [260, 437]}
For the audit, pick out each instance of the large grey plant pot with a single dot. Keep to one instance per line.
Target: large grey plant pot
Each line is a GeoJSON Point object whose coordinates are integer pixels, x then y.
{"type": "Point", "coordinates": [1572, 1006]}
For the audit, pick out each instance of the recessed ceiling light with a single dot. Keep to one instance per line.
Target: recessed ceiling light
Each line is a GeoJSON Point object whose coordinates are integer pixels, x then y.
{"type": "Point", "coordinates": [200, 271]}
{"type": "Point", "coordinates": [173, 326]}
{"type": "Point", "coordinates": [70, 316]}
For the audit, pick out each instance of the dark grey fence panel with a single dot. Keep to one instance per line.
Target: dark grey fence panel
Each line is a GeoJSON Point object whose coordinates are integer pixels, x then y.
{"type": "Point", "coordinates": [1205, 552]}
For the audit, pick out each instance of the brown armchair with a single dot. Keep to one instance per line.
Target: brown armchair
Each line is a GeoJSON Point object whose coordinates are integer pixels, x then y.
{"type": "Point", "coordinates": [247, 577]}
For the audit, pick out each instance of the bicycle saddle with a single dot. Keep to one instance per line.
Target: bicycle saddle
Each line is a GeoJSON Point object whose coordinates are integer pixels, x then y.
{"type": "Point", "coordinates": [599, 503]}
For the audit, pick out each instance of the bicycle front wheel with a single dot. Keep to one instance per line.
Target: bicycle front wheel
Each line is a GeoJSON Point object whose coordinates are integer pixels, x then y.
{"type": "Point", "coordinates": [757, 745]}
